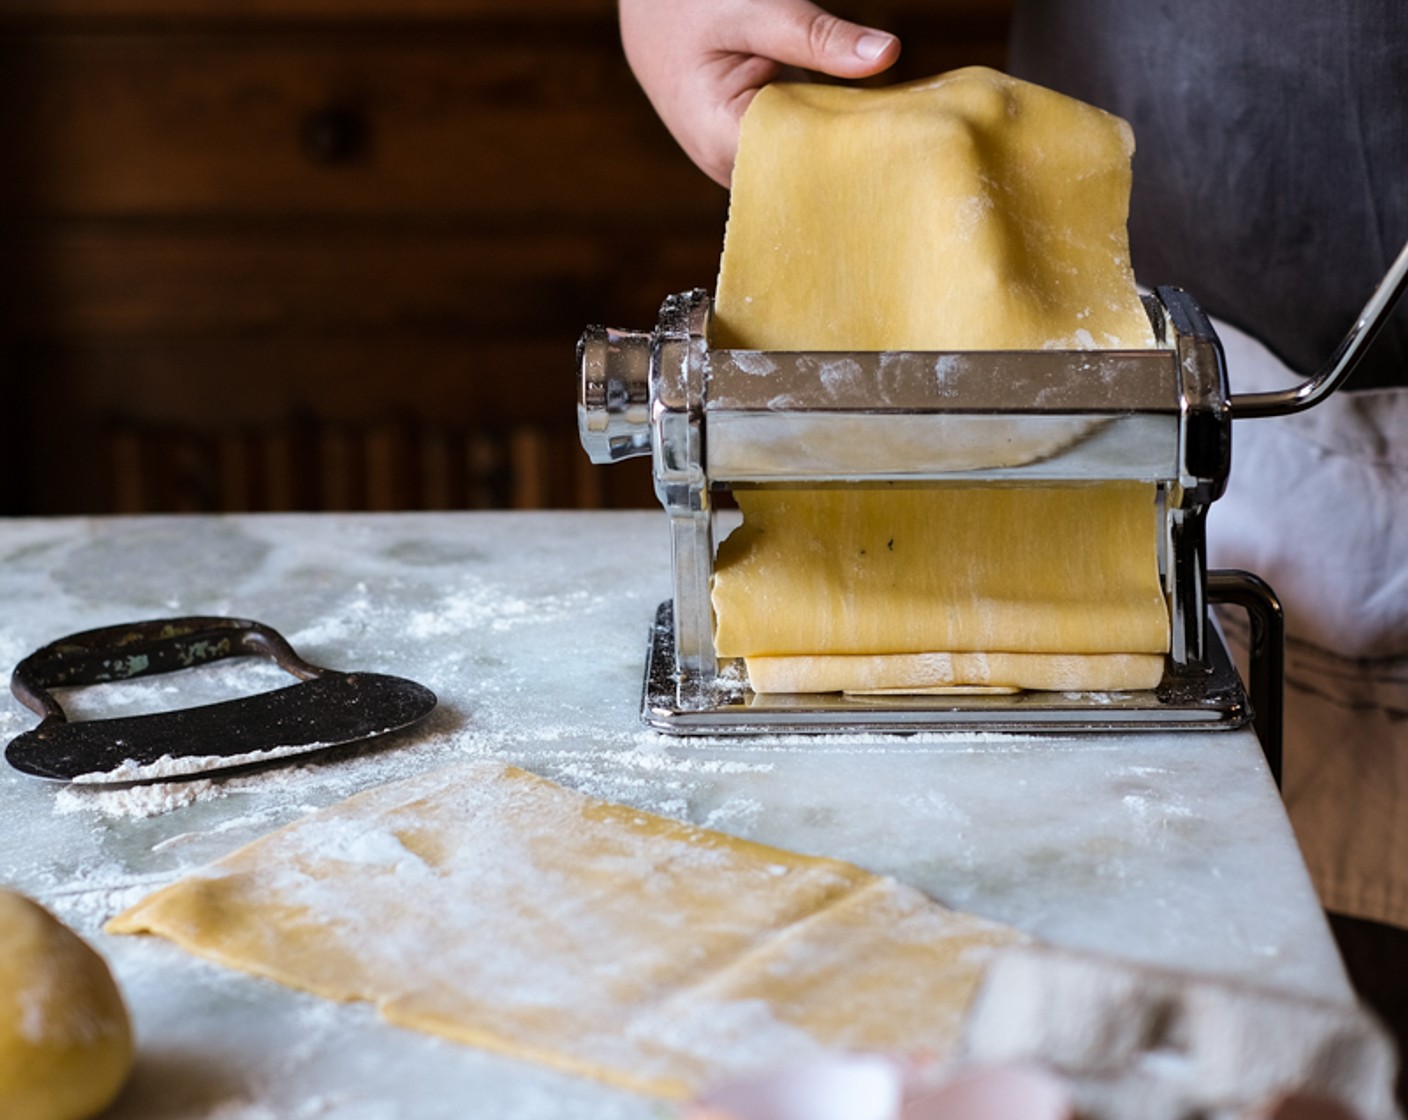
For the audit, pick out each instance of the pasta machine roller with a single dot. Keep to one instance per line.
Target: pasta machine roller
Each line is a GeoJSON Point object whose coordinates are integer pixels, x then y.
{"type": "Point", "coordinates": [717, 419]}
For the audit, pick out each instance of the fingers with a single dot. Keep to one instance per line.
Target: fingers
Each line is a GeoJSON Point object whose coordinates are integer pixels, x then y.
{"type": "Point", "coordinates": [715, 146]}
{"type": "Point", "coordinates": [701, 61]}
{"type": "Point", "coordinates": [798, 33]}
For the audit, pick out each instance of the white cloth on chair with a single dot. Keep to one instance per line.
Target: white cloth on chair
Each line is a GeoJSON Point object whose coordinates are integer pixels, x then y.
{"type": "Point", "coordinates": [1318, 506]}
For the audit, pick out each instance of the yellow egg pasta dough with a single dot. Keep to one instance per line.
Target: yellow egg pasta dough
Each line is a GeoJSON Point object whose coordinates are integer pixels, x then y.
{"type": "Point", "coordinates": [66, 1045]}
{"type": "Point", "coordinates": [970, 211]}
{"type": "Point", "coordinates": [498, 909]}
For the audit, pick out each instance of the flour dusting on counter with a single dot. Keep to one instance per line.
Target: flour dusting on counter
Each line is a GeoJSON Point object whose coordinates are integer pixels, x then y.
{"type": "Point", "coordinates": [203, 684]}
{"type": "Point", "coordinates": [135, 802]}
{"type": "Point", "coordinates": [1027, 830]}
{"type": "Point", "coordinates": [485, 606]}
{"type": "Point", "coordinates": [179, 766]}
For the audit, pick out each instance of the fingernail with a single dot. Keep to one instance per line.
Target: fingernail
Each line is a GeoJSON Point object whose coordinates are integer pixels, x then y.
{"type": "Point", "coordinates": [872, 45]}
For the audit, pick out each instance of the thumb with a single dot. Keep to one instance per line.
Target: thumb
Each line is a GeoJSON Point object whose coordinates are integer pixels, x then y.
{"type": "Point", "coordinates": [798, 33]}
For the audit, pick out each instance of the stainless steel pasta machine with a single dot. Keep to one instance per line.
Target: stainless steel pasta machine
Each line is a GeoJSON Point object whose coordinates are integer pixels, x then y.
{"type": "Point", "coordinates": [716, 419]}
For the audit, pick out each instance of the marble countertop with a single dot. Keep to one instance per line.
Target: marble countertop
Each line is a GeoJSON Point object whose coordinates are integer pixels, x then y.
{"type": "Point", "coordinates": [1166, 848]}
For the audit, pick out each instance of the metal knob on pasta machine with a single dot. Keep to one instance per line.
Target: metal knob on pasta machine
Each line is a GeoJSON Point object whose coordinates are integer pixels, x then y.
{"type": "Point", "coordinates": [613, 410]}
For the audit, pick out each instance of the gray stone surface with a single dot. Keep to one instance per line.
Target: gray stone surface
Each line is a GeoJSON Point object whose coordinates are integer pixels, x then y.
{"type": "Point", "coordinates": [1167, 849]}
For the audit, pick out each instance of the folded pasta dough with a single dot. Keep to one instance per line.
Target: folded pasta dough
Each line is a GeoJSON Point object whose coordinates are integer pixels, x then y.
{"type": "Point", "coordinates": [954, 568]}
{"type": "Point", "coordinates": [970, 211]}
{"type": "Point", "coordinates": [944, 673]}
{"type": "Point", "coordinates": [500, 910]}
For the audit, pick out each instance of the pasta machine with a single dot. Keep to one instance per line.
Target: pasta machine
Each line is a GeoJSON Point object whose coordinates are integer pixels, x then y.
{"type": "Point", "coordinates": [715, 420]}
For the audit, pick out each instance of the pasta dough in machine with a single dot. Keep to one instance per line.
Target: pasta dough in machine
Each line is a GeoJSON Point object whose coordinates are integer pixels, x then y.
{"type": "Point", "coordinates": [926, 318]}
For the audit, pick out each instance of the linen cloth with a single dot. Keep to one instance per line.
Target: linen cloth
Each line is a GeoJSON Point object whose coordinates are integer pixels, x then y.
{"type": "Point", "coordinates": [1318, 506]}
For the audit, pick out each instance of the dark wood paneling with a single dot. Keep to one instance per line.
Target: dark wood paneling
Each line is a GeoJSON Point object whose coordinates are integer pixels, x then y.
{"type": "Point", "coordinates": [301, 403]}
{"type": "Point", "coordinates": [283, 12]}
{"type": "Point", "coordinates": [460, 124]}
{"type": "Point", "coordinates": [121, 281]}
{"type": "Point", "coordinates": [207, 303]}
{"type": "Point", "coordinates": [513, 379]}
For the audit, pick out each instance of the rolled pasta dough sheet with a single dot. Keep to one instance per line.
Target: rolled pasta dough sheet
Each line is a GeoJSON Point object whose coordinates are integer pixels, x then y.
{"type": "Point", "coordinates": [971, 211]}
{"type": "Point", "coordinates": [497, 909]}
{"type": "Point", "coordinates": [956, 673]}
{"type": "Point", "coordinates": [954, 568]}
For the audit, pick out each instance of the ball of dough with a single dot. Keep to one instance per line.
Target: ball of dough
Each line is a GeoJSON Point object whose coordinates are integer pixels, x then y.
{"type": "Point", "coordinates": [65, 1040]}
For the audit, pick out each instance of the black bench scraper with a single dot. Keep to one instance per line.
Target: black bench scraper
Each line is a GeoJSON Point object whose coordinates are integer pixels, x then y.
{"type": "Point", "coordinates": [326, 709]}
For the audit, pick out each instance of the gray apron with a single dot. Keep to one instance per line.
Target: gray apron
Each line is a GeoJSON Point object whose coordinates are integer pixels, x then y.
{"type": "Point", "coordinates": [1271, 173]}
{"type": "Point", "coordinates": [1271, 180]}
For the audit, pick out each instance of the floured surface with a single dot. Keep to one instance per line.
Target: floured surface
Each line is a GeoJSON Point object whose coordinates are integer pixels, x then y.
{"type": "Point", "coordinates": [967, 212]}
{"type": "Point", "coordinates": [1168, 848]}
{"type": "Point", "coordinates": [179, 766]}
{"type": "Point", "coordinates": [501, 910]}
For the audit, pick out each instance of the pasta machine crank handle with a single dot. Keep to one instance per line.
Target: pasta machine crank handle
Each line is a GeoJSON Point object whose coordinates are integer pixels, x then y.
{"type": "Point", "coordinates": [1297, 398]}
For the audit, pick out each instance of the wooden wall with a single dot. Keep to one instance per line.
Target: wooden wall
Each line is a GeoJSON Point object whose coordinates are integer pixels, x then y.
{"type": "Point", "coordinates": [335, 254]}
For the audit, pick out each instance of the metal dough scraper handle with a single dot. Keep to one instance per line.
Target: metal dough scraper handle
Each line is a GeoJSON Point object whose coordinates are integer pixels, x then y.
{"type": "Point", "coordinates": [328, 709]}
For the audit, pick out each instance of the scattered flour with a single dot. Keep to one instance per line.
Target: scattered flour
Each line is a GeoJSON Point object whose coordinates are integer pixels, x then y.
{"type": "Point", "coordinates": [736, 815]}
{"type": "Point", "coordinates": [134, 802]}
{"type": "Point", "coordinates": [168, 766]}
{"type": "Point", "coordinates": [481, 607]}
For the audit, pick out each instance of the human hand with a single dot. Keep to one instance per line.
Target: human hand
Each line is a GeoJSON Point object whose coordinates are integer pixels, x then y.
{"type": "Point", "coordinates": [702, 61]}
